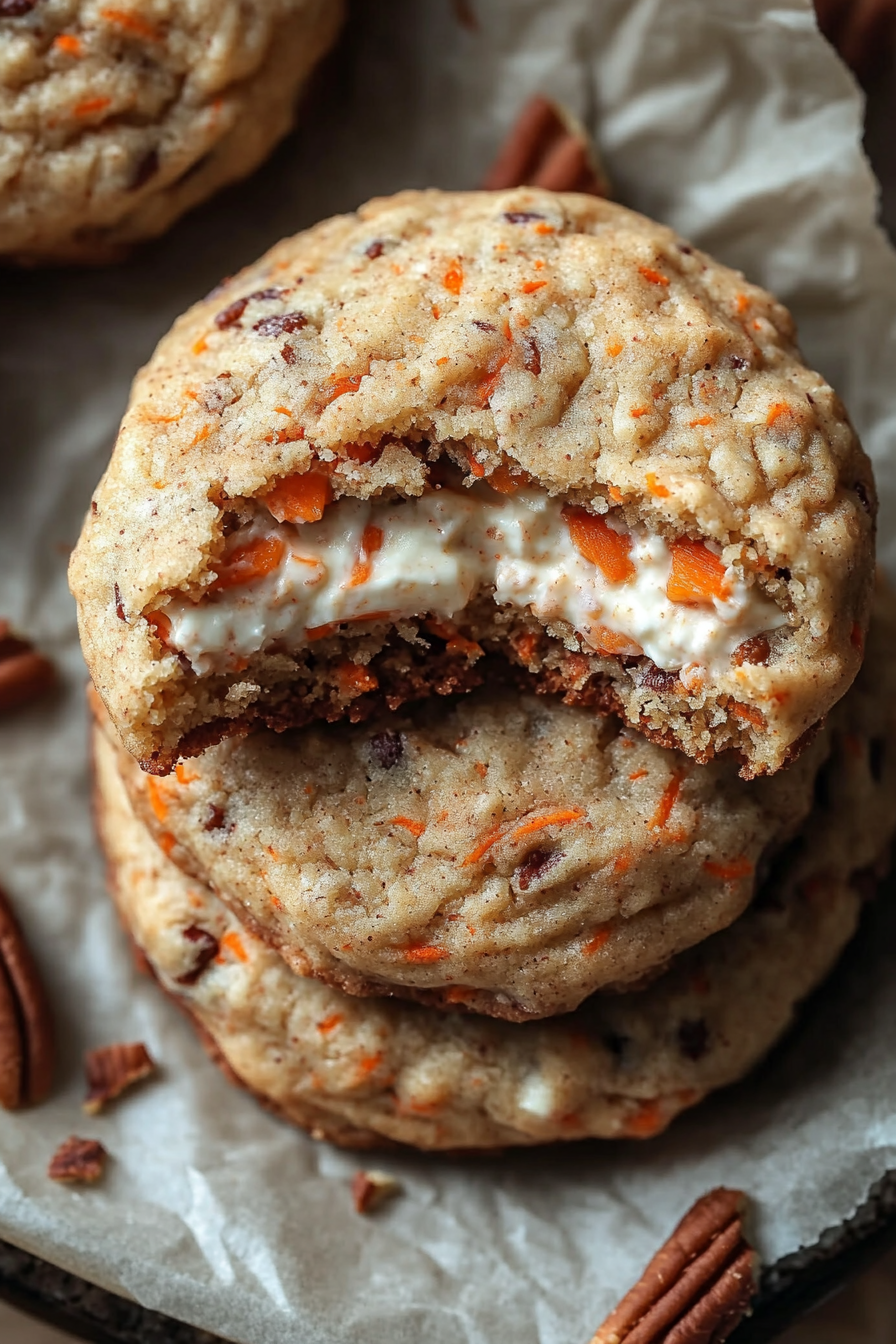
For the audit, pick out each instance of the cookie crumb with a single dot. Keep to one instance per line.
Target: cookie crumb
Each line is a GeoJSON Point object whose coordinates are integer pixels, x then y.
{"type": "Point", "coordinates": [370, 1189]}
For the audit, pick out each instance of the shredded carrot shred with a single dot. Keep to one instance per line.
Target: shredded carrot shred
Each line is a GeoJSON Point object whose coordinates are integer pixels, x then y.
{"type": "Point", "coordinates": [637, 774]}
{"type": "Point", "coordinates": [490, 838]}
{"type": "Point", "coordinates": [595, 943]}
{"type": "Point", "coordinates": [314, 632]}
{"type": "Point", "coordinates": [91, 105]}
{"type": "Point", "coordinates": [132, 23]}
{"type": "Point", "coordinates": [610, 641]}
{"type": "Point", "coordinates": [354, 679]}
{"type": "Point", "coordinates": [71, 45]}
{"type": "Point", "coordinates": [560, 818]}
{"type": "Point", "coordinates": [667, 801]}
{"type": "Point", "coordinates": [184, 774]}
{"type": "Point", "coordinates": [436, 312]}
{"type": "Point", "coordinates": [742, 303]}
{"type": "Point", "coordinates": [424, 953]}
{"type": "Point", "coordinates": [459, 994]}
{"type": "Point", "coordinates": [443, 360]}
{"type": "Point", "coordinates": [526, 646]}
{"type": "Point", "coordinates": [453, 279]}
{"type": "Point", "coordinates": [639, 411]}
{"type": "Point", "coordinates": [729, 872]}
{"type": "Point", "coordinates": [476, 468]}
{"type": "Point", "coordinates": [234, 944]}
{"type": "Point", "coordinates": [646, 1121]}
{"type": "Point", "coordinates": [775, 411]}
{"type": "Point", "coordinates": [593, 537]}
{"type": "Point", "coordinates": [653, 485]}
{"type": "Point", "coordinates": [338, 387]}
{"type": "Point", "coordinates": [613, 348]}
{"type": "Point", "coordinates": [415, 827]}
{"type": "Point", "coordinates": [303, 496]}
{"type": "Point", "coordinates": [615, 494]}
{"type": "Point", "coordinates": [371, 542]}
{"type": "Point", "coordinates": [507, 480]}
{"type": "Point", "coordinates": [200, 435]}
{"type": "Point", "coordinates": [486, 387]}
{"type": "Point", "coordinates": [199, 346]}
{"type": "Point", "coordinates": [248, 562]}
{"type": "Point", "coordinates": [702, 420]}
{"type": "Point", "coordinates": [624, 860]}
{"type": "Point", "coordinates": [751, 715]}
{"type": "Point", "coordinates": [697, 574]}
{"type": "Point", "coordinates": [166, 843]}
{"type": "Point", "coordinates": [481, 768]}
{"type": "Point", "coordinates": [157, 800]}
{"type": "Point", "coordinates": [282, 410]}
{"type": "Point", "coordinates": [369, 1063]}
{"type": "Point", "coordinates": [531, 286]}
{"type": "Point", "coordinates": [653, 276]}
{"type": "Point", "coordinates": [155, 419]}
{"type": "Point", "coordinates": [330, 1022]}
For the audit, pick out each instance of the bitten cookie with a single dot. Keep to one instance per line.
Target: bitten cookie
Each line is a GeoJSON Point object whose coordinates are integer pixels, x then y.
{"type": "Point", "coordinates": [503, 854]}
{"type": "Point", "coordinates": [450, 424]}
{"type": "Point", "coordinates": [115, 119]}
{"type": "Point", "coordinates": [365, 1071]}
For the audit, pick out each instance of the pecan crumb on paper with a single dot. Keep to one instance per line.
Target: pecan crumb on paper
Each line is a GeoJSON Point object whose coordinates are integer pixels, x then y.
{"type": "Point", "coordinates": [112, 1068]}
{"type": "Point", "coordinates": [80, 1161]}
{"type": "Point", "coordinates": [370, 1189]}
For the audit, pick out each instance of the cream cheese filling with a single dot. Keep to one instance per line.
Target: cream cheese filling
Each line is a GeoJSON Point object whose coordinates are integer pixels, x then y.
{"type": "Point", "coordinates": [430, 555]}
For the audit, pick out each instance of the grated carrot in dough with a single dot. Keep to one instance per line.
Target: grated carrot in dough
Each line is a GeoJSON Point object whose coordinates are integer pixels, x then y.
{"type": "Point", "coordinates": [666, 803]}
{"type": "Point", "coordinates": [453, 279]}
{"type": "Point", "coordinates": [653, 276]}
{"type": "Point", "coordinates": [371, 542]}
{"type": "Point", "coordinates": [596, 942]}
{"type": "Point", "coordinates": [234, 944]}
{"type": "Point", "coordinates": [563, 817]}
{"type": "Point", "coordinates": [416, 828]}
{"type": "Point", "coordinates": [730, 871]}
{"type": "Point", "coordinates": [423, 953]}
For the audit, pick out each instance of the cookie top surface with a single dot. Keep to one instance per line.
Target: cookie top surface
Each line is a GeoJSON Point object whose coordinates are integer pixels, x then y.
{"type": "Point", "coordinates": [361, 1071]}
{"type": "Point", "coordinates": [504, 853]}
{"type": "Point", "coordinates": [556, 340]}
{"type": "Point", "coordinates": [116, 119]}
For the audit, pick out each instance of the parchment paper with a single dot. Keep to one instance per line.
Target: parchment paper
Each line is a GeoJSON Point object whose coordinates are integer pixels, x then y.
{"type": "Point", "coordinates": [734, 121]}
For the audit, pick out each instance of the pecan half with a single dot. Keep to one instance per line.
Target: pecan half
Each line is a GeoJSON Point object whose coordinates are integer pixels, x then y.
{"type": "Point", "coordinates": [699, 1284]}
{"type": "Point", "coordinates": [546, 148]}
{"type": "Point", "coordinates": [371, 1188]}
{"type": "Point", "coordinates": [25, 674]}
{"type": "Point", "coordinates": [27, 1049]}
{"type": "Point", "coordinates": [81, 1161]}
{"type": "Point", "coordinates": [112, 1068]}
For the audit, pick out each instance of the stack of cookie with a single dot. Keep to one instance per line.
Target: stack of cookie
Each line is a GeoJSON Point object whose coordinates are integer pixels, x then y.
{"type": "Point", "coordinates": [476, 605]}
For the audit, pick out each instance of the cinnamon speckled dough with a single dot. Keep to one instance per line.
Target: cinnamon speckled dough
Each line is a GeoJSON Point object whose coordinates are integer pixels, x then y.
{"type": "Point", "coordinates": [506, 854]}
{"type": "Point", "coordinates": [114, 120]}
{"type": "Point", "coordinates": [366, 1071]}
{"type": "Point", "coordinates": [559, 335]}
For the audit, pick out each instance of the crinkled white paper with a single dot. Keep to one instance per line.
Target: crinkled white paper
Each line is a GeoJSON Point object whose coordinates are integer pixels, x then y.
{"type": "Point", "coordinates": [732, 120]}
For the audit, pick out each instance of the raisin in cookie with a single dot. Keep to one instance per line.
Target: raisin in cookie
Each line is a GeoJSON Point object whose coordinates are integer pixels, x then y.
{"type": "Point", "coordinates": [367, 1071]}
{"type": "Point", "coordinates": [502, 853]}
{"type": "Point", "coordinates": [452, 424]}
{"type": "Point", "coordinates": [115, 119]}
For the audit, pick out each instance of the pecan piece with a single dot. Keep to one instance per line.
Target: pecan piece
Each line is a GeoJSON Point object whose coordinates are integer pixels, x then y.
{"type": "Point", "coordinates": [26, 1030]}
{"type": "Point", "coordinates": [81, 1161]}
{"type": "Point", "coordinates": [546, 148]}
{"type": "Point", "coordinates": [699, 1284]}
{"type": "Point", "coordinates": [371, 1188]}
{"type": "Point", "coordinates": [25, 674]}
{"type": "Point", "coordinates": [112, 1068]}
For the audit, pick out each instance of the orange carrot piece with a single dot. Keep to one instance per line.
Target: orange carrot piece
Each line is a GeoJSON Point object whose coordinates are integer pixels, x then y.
{"type": "Point", "coordinates": [415, 827]}
{"type": "Point", "coordinates": [453, 279]}
{"type": "Point", "coordinates": [593, 537]}
{"type": "Point", "coordinates": [639, 411]}
{"type": "Point", "coordinates": [184, 774]}
{"type": "Point", "coordinates": [729, 872]}
{"type": "Point", "coordinates": [653, 276]}
{"type": "Point", "coordinates": [646, 1121]}
{"type": "Point", "coordinates": [201, 435]}
{"type": "Point", "coordinates": [424, 954]}
{"type": "Point", "coordinates": [751, 715]}
{"type": "Point", "coordinates": [666, 803]}
{"type": "Point", "coordinates": [697, 574]}
{"type": "Point", "coordinates": [531, 286]}
{"type": "Point", "coordinates": [476, 468]}
{"type": "Point", "coordinates": [330, 1022]}
{"type": "Point", "coordinates": [88, 106]}
{"type": "Point", "coordinates": [166, 843]}
{"type": "Point", "coordinates": [507, 480]}
{"type": "Point", "coordinates": [160, 624]}
{"type": "Point", "coordinates": [338, 387]}
{"type": "Point", "coordinates": [490, 838]}
{"type": "Point", "coordinates": [157, 800]}
{"type": "Point", "coordinates": [702, 420]}
{"type": "Point", "coordinates": [234, 944]}
{"type": "Point", "coordinates": [369, 1063]}
{"type": "Point", "coordinates": [354, 679]}
{"type": "Point", "coordinates": [596, 943]}
{"type": "Point", "coordinates": [613, 348]}
{"type": "Point", "coordinates": [371, 542]}
{"type": "Point", "coordinates": [624, 860]}
{"type": "Point", "coordinates": [775, 411]}
{"type": "Point", "coordinates": [303, 496]}
{"type": "Point", "coordinates": [654, 487]}
{"type": "Point", "coordinates": [248, 562]}
{"type": "Point", "coordinates": [560, 818]}
{"type": "Point", "coordinates": [71, 45]}
{"type": "Point", "coordinates": [610, 641]}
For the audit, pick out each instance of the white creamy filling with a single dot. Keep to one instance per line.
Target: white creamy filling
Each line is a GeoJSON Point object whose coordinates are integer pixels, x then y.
{"type": "Point", "coordinates": [437, 552]}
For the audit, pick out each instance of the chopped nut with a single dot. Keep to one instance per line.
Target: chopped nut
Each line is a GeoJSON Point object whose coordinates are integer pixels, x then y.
{"type": "Point", "coordinates": [699, 1284]}
{"type": "Point", "coordinates": [81, 1161]}
{"type": "Point", "coordinates": [371, 1188]}
{"type": "Point", "coordinates": [27, 1047]}
{"type": "Point", "coordinates": [112, 1068]}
